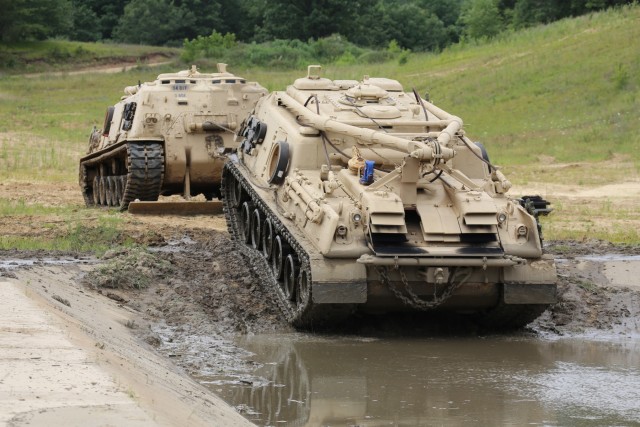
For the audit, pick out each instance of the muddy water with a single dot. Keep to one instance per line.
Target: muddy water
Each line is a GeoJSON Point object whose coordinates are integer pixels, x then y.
{"type": "Point", "coordinates": [303, 380]}
{"type": "Point", "coordinates": [10, 263]}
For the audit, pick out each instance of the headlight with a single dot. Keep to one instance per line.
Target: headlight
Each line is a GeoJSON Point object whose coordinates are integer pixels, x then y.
{"type": "Point", "coordinates": [502, 217]}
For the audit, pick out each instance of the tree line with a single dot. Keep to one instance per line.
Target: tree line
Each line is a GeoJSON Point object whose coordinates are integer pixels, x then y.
{"type": "Point", "coordinates": [418, 25]}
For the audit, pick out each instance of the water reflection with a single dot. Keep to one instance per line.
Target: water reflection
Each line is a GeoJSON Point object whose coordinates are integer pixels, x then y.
{"type": "Point", "coordinates": [342, 381]}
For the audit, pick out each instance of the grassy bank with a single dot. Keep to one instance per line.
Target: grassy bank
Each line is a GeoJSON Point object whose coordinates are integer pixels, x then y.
{"type": "Point", "coordinates": [36, 226]}
{"type": "Point", "coordinates": [59, 55]}
{"type": "Point", "coordinates": [553, 104]}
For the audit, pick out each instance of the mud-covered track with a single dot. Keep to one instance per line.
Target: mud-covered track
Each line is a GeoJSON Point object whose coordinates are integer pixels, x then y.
{"type": "Point", "coordinates": [285, 266]}
{"type": "Point", "coordinates": [117, 177]}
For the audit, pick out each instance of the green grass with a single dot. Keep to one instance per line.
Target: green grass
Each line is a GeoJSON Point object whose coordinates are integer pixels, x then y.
{"type": "Point", "coordinates": [22, 207]}
{"type": "Point", "coordinates": [570, 90]}
{"type": "Point", "coordinates": [554, 104]}
{"type": "Point", "coordinates": [74, 237]}
{"type": "Point", "coordinates": [595, 219]}
{"type": "Point", "coordinates": [62, 228]}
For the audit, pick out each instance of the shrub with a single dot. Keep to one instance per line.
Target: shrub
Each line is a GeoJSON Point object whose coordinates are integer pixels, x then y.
{"type": "Point", "coordinates": [279, 54]}
{"type": "Point", "coordinates": [215, 45]}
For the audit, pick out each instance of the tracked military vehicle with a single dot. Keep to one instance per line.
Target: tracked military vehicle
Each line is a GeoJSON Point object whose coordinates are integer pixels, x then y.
{"type": "Point", "coordinates": [359, 196]}
{"type": "Point", "coordinates": [168, 136]}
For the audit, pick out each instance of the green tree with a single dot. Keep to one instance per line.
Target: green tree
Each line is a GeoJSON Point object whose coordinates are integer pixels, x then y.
{"type": "Point", "coordinates": [204, 17]}
{"type": "Point", "coordinates": [109, 13]}
{"type": "Point", "coordinates": [530, 12]}
{"type": "Point", "coordinates": [302, 20]}
{"type": "Point", "coordinates": [414, 27]}
{"type": "Point", "coordinates": [447, 11]}
{"type": "Point", "coordinates": [153, 22]}
{"type": "Point", "coordinates": [34, 19]}
{"type": "Point", "coordinates": [244, 18]}
{"type": "Point", "coordinates": [85, 23]}
{"type": "Point", "coordinates": [481, 18]}
{"type": "Point", "coordinates": [368, 28]}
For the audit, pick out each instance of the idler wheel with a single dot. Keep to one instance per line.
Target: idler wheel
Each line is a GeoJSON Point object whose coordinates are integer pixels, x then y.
{"type": "Point", "coordinates": [96, 190]}
{"type": "Point", "coordinates": [290, 276]}
{"type": "Point", "coordinates": [267, 238]}
{"type": "Point", "coordinates": [245, 221]}
{"type": "Point", "coordinates": [256, 229]}
{"type": "Point", "coordinates": [279, 253]}
{"type": "Point", "coordinates": [302, 293]}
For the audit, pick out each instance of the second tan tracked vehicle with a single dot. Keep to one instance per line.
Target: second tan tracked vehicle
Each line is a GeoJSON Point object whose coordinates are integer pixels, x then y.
{"type": "Point", "coordinates": [168, 136]}
{"type": "Point", "coordinates": [356, 195]}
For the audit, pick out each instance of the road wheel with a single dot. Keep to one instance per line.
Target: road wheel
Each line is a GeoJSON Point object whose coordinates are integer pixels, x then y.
{"type": "Point", "coordinates": [279, 253]}
{"type": "Point", "coordinates": [267, 238]}
{"type": "Point", "coordinates": [302, 292]}
{"type": "Point", "coordinates": [245, 221]}
{"type": "Point", "coordinates": [256, 228]}
{"type": "Point", "coordinates": [290, 276]}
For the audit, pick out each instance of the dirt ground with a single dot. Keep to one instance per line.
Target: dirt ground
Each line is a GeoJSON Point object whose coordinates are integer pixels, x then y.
{"type": "Point", "coordinates": [218, 284]}
{"type": "Point", "coordinates": [188, 293]}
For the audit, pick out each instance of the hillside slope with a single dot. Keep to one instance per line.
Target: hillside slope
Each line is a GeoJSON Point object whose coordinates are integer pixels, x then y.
{"type": "Point", "coordinates": [564, 92]}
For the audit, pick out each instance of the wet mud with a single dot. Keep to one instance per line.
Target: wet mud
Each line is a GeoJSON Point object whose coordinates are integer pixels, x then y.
{"type": "Point", "coordinates": [200, 304]}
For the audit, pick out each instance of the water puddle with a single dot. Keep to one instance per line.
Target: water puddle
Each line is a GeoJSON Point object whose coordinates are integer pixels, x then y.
{"type": "Point", "coordinates": [174, 245]}
{"type": "Point", "coordinates": [346, 381]}
{"type": "Point", "coordinates": [610, 257]}
{"type": "Point", "coordinates": [9, 264]}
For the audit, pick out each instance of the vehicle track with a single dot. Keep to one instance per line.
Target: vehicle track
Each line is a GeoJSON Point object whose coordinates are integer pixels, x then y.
{"type": "Point", "coordinates": [291, 287]}
{"type": "Point", "coordinates": [119, 176]}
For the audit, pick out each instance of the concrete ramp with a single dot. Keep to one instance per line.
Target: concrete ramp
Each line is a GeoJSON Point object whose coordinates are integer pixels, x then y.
{"type": "Point", "coordinates": [47, 380]}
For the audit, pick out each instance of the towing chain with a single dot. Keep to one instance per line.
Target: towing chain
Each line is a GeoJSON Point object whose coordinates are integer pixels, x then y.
{"type": "Point", "coordinates": [414, 300]}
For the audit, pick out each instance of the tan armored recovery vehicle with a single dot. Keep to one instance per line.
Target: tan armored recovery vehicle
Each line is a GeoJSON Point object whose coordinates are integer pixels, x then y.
{"type": "Point", "coordinates": [168, 136]}
{"type": "Point", "coordinates": [357, 195]}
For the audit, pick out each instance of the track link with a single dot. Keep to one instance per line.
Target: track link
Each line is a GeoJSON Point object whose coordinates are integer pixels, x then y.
{"type": "Point", "coordinates": [146, 171]}
{"type": "Point", "coordinates": [134, 170]}
{"type": "Point", "coordinates": [299, 311]}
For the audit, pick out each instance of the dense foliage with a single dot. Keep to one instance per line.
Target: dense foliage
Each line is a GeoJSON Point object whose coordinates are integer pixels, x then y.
{"type": "Point", "coordinates": [286, 54]}
{"type": "Point", "coordinates": [419, 25]}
